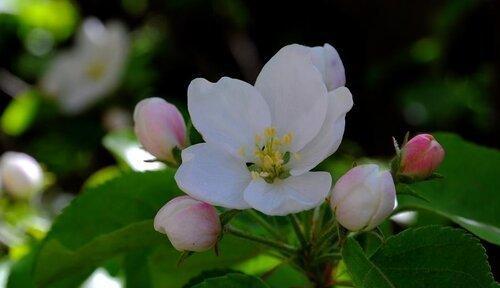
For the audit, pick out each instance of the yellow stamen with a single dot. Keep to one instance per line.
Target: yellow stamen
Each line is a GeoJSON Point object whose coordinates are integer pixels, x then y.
{"type": "Point", "coordinates": [270, 151]}
{"type": "Point", "coordinates": [270, 132]}
{"type": "Point", "coordinates": [287, 138]}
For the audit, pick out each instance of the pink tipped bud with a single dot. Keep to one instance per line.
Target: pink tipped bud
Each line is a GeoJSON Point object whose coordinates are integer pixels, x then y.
{"type": "Point", "coordinates": [21, 175]}
{"type": "Point", "coordinates": [160, 127]}
{"type": "Point", "coordinates": [363, 197]}
{"type": "Point", "coordinates": [190, 225]}
{"type": "Point", "coordinates": [420, 157]}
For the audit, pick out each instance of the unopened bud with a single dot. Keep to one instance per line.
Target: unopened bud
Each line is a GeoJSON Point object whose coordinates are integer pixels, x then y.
{"type": "Point", "coordinates": [160, 128]}
{"type": "Point", "coordinates": [363, 197]}
{"type": "Point", "coordinates": [420, 157]}
{"type": "Point", "coordinates": [21, 175]}
{"type": "Point", "coordinates": [189, 224]}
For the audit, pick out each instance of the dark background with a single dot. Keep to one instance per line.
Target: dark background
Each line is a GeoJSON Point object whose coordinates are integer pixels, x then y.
{"type": "Point", "coordinates": [411, 66]}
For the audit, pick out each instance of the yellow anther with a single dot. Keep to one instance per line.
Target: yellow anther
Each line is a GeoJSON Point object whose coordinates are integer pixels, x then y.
{"type": "Point", "coordinates": [287, 138]}
{"type": "Point", "coordinates": [270, 132]}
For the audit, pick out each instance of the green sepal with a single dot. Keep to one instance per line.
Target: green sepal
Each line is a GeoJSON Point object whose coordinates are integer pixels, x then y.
{"type": "Point", "coordinates": [286, 157]}
{"type": "Point", "coordinates": [183, 257]}
{"type": "Point", "coordinates": [284, 175]}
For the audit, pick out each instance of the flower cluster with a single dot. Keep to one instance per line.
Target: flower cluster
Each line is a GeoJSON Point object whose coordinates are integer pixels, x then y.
{"type": "Point", "coordinates": [261, 143]}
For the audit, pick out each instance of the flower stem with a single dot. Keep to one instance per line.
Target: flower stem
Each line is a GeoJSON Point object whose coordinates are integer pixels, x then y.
{"type": "Point", "coordinates": [270, 243]}
{"type": "Point", "coordinates": [298, 230]}
{"type": "Point", "coordinates": [266, 225]}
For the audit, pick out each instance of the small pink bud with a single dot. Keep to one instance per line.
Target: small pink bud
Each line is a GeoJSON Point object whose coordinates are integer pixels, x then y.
{"type": "Point", "coordinates": [21, 175]}
{"type": "Point", "coordinates": [189, 224]}
{"type": "Point", "coordinates": [420, 157]}
{"type": "Point", "coordinates": [160, 127]}
{"type": "Point", "coordinates": [363, 197]}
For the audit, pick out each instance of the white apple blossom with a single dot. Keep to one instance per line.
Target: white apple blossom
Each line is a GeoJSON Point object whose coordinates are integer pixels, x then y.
{"type": "Point", "coordinates": [78, 78]}
{"type": "Point", "coordinates": [263, 140]}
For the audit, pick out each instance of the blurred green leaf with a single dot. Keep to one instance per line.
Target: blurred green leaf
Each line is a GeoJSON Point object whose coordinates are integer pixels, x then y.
{"type": "Point", "coordinates": [103, 222]}
{"type": "Point", "coordinates": [468, 194]}
{"type": "Point", "coordinates": [21, 275]}
{"type": "Point", "coordinates": [440, 103]}
{"type": "Point", "coordinates": [102, 176]}
{"type": "Point", "coordinates": [56, 16]}
{"type": "Point", "coordinates": [20, 113]}
{"type": "Point", "coordinates": [233, 280]}
{"type": "Point", "coordinates": [424, 257]}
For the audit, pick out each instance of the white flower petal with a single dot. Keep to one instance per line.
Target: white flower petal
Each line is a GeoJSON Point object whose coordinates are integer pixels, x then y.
{"type": "Point", "coordinates": [328, 139]}
{"type": "Point", "coordinates": [214, 176]}
{"type": "Point", "coordinates": [294, 89]}
{"type": "Point", "coordinates": [328, 62]}
{"type": "Point", "coordinates": [291, 195]}
{"type": "Point", "coordinates": [228, 113]}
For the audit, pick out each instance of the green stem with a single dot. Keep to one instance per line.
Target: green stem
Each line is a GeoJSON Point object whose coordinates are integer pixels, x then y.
{"type": "Point", "coordinates": [270, 243]}
{"type": "Point", "coordinates": [330, 256]}
{"type": "Point", "coordinates": [315, 222]}
{"type": "Point", "coordinates": [298, 230]}
{"type": "Point", "coordinates": [268, 227]}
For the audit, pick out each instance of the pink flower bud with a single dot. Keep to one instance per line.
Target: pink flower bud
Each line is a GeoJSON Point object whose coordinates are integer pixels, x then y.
{"type": "Point", "coordinates": [160, 127]}
{"type": "Point", "coordinates": [20, 174]}
{"type": "Point", "coordinates": [190, 225]}
{"type": "Point", "coordinates": [420, 157]}
{"type": "Point", "coordinates": [363, 197]}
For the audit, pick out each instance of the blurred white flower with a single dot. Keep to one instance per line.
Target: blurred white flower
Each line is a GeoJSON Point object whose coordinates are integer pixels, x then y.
{"type": "Point", "coordinates": [21, 175]}
{"type": "Point", "coordinates": [91, 69]}
{"type": "Point", "coordinates": [262, 140]}
{"type": "Point", "coordinates": [100, 278]}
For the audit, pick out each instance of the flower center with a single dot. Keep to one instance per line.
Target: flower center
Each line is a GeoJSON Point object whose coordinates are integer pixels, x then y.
{"type": "Point", "coordinates": [271, 156]}
{"type": "Point", "coordinates": [95, 70]}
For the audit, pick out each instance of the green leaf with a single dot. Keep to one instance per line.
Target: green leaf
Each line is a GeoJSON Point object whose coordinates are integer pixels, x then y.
{"type": "Point", "coordinates": [103, 222]}
{"type": "Point", "coordinates": [468, 193]}
{"type": "Point", "coordinates": [208, 274]}
{"type": "Point", "coordinates": [21, 275]}
{"type": "Point", "coordinates": [232, 280]}
{"type": "Point", "coordinates": [431, 256]}
{"type": "Point", "coordinates": [20, 113]}
{"type": "Point", "coordinates": [165, 272]}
